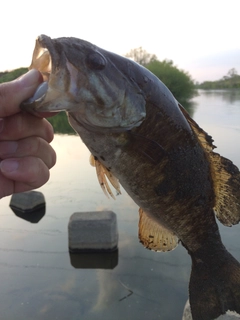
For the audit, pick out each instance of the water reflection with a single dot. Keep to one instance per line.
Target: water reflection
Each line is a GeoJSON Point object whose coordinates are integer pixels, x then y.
{"type": "Point", "coordinates": [108, 260]}
{"type": "Point", "coordinates": [230, 96]}
{"type": "Point", "coordinates": [33, 217]}
{"type": "Point", "coordinates": [190, 106]}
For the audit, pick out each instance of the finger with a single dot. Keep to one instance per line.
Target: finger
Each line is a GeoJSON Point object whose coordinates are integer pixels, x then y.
{"type": "Point", "coordinates": [29, 147]}
{"type": "Point", "coordinates": [14, 92]}
{"type": "Point", "coordinates": [22, 125]}
{"type": "Point", "coordinates": [22, 174]}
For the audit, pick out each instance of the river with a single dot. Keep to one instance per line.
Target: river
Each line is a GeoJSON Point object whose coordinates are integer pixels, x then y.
{"type": "Point", "coordinates": [40, 280]}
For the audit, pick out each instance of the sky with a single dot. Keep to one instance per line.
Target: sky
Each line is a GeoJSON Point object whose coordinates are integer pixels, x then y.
{"type": "Point", "coordinates": [201, 37]}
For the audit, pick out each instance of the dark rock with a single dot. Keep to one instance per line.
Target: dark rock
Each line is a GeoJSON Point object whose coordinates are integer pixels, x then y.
{"type": "Point", "coordinates": [29, 205]}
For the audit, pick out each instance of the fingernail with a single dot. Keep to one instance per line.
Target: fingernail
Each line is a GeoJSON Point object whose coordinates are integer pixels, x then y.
{"type": "Point", "coordinates": [31, 78]}
{"type": "Point", "coordinates": [9, 166]}
{"type": "Point", "coordinates": [1, 124]}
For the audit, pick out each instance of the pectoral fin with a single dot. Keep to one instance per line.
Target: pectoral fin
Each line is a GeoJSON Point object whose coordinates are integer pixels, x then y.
{"type": "Point", "coordinates": [154, 236]}
{"type": "Point", "coordinates": [102, 174]}
{"type": "Point", "coordinates": [225, 176]}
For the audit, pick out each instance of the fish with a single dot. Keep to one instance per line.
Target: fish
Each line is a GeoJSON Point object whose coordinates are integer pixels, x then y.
{"type": "Point", "coordinates": [142, 139]}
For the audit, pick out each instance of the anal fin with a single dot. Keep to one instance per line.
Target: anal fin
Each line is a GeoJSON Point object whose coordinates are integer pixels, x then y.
{"type": "Point", "coordinates": [154, 236]}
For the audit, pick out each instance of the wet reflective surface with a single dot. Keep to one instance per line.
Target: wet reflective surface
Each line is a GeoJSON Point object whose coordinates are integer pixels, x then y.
{"type": "Point", "coordinates": [40, 280]}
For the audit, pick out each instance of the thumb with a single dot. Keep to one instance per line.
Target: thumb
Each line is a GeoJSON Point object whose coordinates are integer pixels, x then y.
{"type": "Point", "coordinates": [14, 92]}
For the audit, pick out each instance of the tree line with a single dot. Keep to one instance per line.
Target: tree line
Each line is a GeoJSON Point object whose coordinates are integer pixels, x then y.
{"type": "Point", "coordinates": [230, 81]}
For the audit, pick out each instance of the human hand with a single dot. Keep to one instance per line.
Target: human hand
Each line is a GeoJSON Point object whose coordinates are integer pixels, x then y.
{"type": "Point", "coordinates": [25, 153]}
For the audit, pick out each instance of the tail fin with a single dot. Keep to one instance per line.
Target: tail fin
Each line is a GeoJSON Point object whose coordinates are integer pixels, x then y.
{"type": "Point", "coordinates": [214, 284]}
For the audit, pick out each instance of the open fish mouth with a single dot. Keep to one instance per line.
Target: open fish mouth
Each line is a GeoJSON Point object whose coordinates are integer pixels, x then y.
{"type": "Point", "coordinates": [41, 61]}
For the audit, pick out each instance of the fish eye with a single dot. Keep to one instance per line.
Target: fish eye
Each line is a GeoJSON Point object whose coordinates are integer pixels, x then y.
{"type": "Point", "coordinates": [96, 61]}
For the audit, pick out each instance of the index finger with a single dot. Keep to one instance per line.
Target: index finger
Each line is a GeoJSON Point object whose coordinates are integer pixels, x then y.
{"type": "Point", "coordinates": [14, 92]}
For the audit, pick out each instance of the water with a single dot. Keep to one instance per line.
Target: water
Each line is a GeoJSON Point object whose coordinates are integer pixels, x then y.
{"type": "Point", "coordinates": [38, 280]}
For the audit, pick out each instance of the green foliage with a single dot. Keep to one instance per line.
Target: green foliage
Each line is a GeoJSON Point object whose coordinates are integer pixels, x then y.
{"type": "Point", "coordinates": [11, 75]}
{"type": "Point", "coordinates": [178, 81]}
{"type": "Point", "coordinates": [230, 81]}
{"type": "Point", "coordinates": [60, 124]}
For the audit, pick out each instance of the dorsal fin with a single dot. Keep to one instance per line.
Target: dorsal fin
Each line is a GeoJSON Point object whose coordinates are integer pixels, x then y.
{"type": "Point", "coordinates": [225, 175]}
{"type": "Point", "coordinates": [153, 235]}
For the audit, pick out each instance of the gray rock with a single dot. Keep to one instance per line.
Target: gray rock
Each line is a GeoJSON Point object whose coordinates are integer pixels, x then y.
{"type": "Point", "coordinates": [27, 201]}
{"type": "Point", "coordinates": [29, 206]}
{"type": "Point", "coordinates": [93, 232]}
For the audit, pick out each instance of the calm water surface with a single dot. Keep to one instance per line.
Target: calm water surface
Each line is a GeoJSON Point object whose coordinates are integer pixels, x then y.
{"type": "Point", "coordinates": [38, 278]}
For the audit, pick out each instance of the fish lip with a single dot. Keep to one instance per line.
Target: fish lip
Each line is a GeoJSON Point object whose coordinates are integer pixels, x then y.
{"type": "Point", "coordinates": [31, 105]}
{"type": "Point", "coordinates": [32, 108]}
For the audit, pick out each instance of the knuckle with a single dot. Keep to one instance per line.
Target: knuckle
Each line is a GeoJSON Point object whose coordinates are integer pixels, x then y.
{"type": "Point", "coordinates": [49, 131]}
{"type": "Point", "coordinates": [38, 173]}
{"type": "Point", "coordinates": [53, 159]}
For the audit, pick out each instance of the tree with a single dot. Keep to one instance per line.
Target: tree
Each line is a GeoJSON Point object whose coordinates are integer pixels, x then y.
{"type": "Point", "coordinates": [141, 56]}
{"type": "Point", "coordinates": [178, 81]}
{"type": "Point", "coordinates": [232, 73]}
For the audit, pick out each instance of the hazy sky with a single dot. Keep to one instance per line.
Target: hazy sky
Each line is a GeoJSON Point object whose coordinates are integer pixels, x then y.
{"type": "Point", "coordinates": [201, 37]}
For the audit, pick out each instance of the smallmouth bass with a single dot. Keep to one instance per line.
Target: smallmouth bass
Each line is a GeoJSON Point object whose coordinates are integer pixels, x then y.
{"type": "Point", "coordinates": [141, 138]}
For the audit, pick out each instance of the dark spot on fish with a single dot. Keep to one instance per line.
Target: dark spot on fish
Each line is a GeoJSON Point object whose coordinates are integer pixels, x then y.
{"type": "Point", "coordinates": [163, 188]}
{"type": "Point", "coordinates": [100, 101]}
{"type": "Point", "coordinates": [159, 115]}
{"type": "Point", "coordinates": [95, 158]}
{"type": "Point", "coordinates": [109, 169]}
{"type": "Point", "coordinates": [201, 200]}
{"type": "Point", "coordinates": [102, 158]}
{"type": "Point", "coordinates": [151, 236]}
